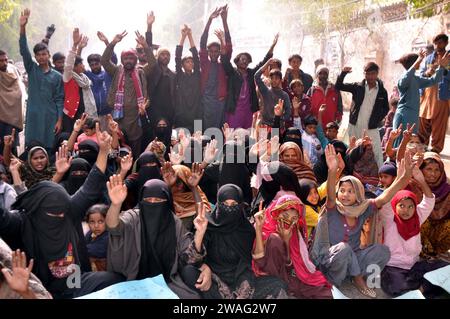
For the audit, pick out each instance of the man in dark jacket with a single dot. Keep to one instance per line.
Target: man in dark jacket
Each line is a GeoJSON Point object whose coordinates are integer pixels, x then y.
{"type": "Point", "coordinates": [241, 100]}
{"type": "Point", "coordinates": [370, 106]}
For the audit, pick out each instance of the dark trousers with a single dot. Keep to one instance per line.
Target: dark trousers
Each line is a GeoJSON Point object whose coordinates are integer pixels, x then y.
{"type": "Point", "coordinates": [397, 281]}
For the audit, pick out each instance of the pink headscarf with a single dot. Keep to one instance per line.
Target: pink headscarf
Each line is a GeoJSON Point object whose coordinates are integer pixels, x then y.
{"type": "Point", "coordinates": [304, 268]}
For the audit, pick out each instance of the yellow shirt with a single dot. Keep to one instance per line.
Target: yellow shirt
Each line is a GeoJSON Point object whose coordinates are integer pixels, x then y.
{"type": "Point", "coordinates": [310, 214]}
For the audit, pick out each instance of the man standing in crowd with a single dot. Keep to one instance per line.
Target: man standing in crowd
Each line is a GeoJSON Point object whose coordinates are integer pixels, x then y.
{"type": "Point", "coordinates": [213, 77]}
{"type": "Point", "coordinates": [128, 92]}
{"type": "Point", "coordinates": [370, 106]}
{"type": "Point", "coordinates": [45, 91]}
{"type": "Point", "coordinates": [11, 100]}
{"type": "Point", "coordinates": [435, 101]}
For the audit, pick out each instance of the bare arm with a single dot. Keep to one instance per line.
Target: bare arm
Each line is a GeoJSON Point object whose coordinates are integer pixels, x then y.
{"type": "Point", "coordinates": [332, 162]}
{"type": "Point", "coordinates": [404, 173]}
{"type": "Point", "coordinates": [117, 192]}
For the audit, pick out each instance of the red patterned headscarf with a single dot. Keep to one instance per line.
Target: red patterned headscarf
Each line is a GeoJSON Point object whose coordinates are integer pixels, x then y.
{"type": "Point", "coordinates": [406, 228]}
{"type": "Point", "coordinates": [304, 268]}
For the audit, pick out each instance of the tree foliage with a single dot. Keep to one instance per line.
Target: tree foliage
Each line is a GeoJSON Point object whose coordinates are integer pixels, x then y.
{"type": "Point", "coordinates": [6, 9]}
{"type": "Point", "coordinates": [428, 8]}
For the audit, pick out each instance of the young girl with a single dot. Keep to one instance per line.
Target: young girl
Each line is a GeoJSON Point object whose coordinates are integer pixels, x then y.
{"type": "Point", "coordinates": [336, 249]}
{"type": "Point", "coordinates": [97, 236]}
{"type": "Point", "coordinates": [281, 249]}
{"type": "Point", "coordinates": [402, 220]}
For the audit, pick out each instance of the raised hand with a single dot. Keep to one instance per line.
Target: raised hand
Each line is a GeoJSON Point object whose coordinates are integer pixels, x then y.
{"type": "Point", "coordinates": [418, 175]}
{"type": "Point", "coordinates": [140, 39]}
{"type": "Point", "coordinates": [407, 134]}
{"type": "Point", "coordinates": [322, 108]}
{"type": "Point", "coordinates": [224, 12]}
{"type": "Point", "coordinates": [275, 40]}
{"type": "Point", "coordinates": [24, 16]}
{"type": "Point", "coordinates": [112, 125]}
{"type": "Point", "coordinates": [84, 42]}
{"type": "Point", "coordinates": [331, 158]}
{"type": "Point", "coordinates": [279, 108]}
{"type": "Point", "coordinates": [220, 35]}
{"type": "Point", "coordinates": [168, 173]}
{"type": "Point", "coordinates": [196, 175]}
{"type": "Point", "coordinates": [352, 143]}
{"type": "Point", "coordinates": [228, 132]}
{"type": "Point", "coordinates": [117, 191]}
{"type": "Point", "coordinates": [215, 14]}
{"type": "Point", "coordinates": [103, 139]}
{"type": "Point", "coordinates": [409, 165]}
{"type": "Point", "coordinates": [347, 69]}
{"type": "Point", "coordinates": [210, 152]}
{"type": "Point", "coordinates": [14, 165]}
{"type": "Point", "coordinates": [101, 36]}
{"type": "Point", "coordinates": [143, 106]}
{"type": "Point", "coordinates": [17, 278]}
{"type": "Point", "coordinates": [126, 163]}
{"type": "Point", "coordinates": [204, 279]}
{"type": "Point", "coordinates": [396, 133]}
{"type": "Point", "coordinates": [119, 37]}
{"type": "Point", "coordinates": [62, 162]}
{"type": "Point", "coordinates": [260, 218]}
{"type": "Point", "coordinates": [78, 125]}
{"type": "Point", "coordinates": [76, 36]}
{"type": "Point", "coordinates": [175, 158]}
{"type": "Point", "coordinates": [200, 222]}
{"type": "Point", "coordinates": [9, 139]}
{"type": "Point", "coordinates": [50, 30]}
{"type": "Point", "coordinates": [150, 18]}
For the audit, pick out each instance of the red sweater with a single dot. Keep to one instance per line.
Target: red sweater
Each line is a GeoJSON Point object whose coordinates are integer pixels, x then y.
{"type": "Point", "coordinates": [71, 98]}
{"type": "Point", "coordinates": [205, 64]}
{"type": "Point", "coordinates": [330, 97]}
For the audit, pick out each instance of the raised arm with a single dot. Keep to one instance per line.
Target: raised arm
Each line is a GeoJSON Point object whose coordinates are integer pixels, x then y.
{"type": "Point", "coordinates": [194, 52]}
{"type": "Point", "coordinates": [8, 142]}
{"type": "Point", "coordinates": [340, 81]}
{"type": "Point", "coordinates": [83, 43]}
{"type": "Point", "coordinates": [151, 61]}
{"type": "Point", "coordinates": [407, 134]}
{"type": "Point", "coordinates": [258, 251]}
{"type": "Point", "coordinates": [95, 183]}
{"type": "Point", "coordinates": [200, 221]}
{"type": "Point", "coordinates": [77, 126]}
{"type": "Point", "coordinates": [24, 50]}
{"type": "Point", "coordinates": [107, 54]}
{"type": "Point", "coordinates": [179, 51]}
{"type": "Point", "coordinates": [70, 60]}
{"type": "Point", "coordinates": [62, 164]}
{"type": "Point", "coordinates": [404, 173]}
{"type": "Point", "coordinates": [333, 164]}
{"type": "Point", "coordinates": [204, 37]}
{"type": "Point", "coordinates": [258, 80]}
{"type": "Point", "coordinates": [117, 192]}
{"type": "Point", "coordinates": [224, 16]}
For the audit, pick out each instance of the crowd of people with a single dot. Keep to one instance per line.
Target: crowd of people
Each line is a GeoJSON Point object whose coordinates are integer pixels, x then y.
{"type": "Point", "coordinates": [230, 181]}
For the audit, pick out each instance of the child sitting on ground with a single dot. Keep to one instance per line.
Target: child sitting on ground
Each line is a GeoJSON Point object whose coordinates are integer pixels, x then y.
{"type": "Point", "coordinates": [97, 236]}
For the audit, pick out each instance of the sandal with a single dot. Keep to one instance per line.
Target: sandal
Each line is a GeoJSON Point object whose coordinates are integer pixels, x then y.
{"type": "Point", "coordinates": [368, 292]}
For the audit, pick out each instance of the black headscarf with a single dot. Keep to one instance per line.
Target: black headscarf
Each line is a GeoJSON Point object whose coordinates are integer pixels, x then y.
{"type": "Point", "coordinates": [74, 182]}
{"type": "Point", "coordinates": [229, 236]}
{"type": "Point", "coordinates": [61, 137]}
{"type": "Point", "coordinates": [305, 186]}
{"type": "Point", "coordinates": [321, 167]}
{"type": "Point", "coordinates": [288, 136]}
{"type": "Point", "coordinates": [146, 173]}
{"type": "Point", "coordinates": [283, 177]}
{"type": "Point", "coordinates": [158, 236]}
{"type": "Point", "coordinates": [234, 170]}
{"type": "Point", "coordinates": [88, 150]}
{"type": "Point", "coordinates": [164, 134]}
{"type": "Point", "coordinates": [46, 238]}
